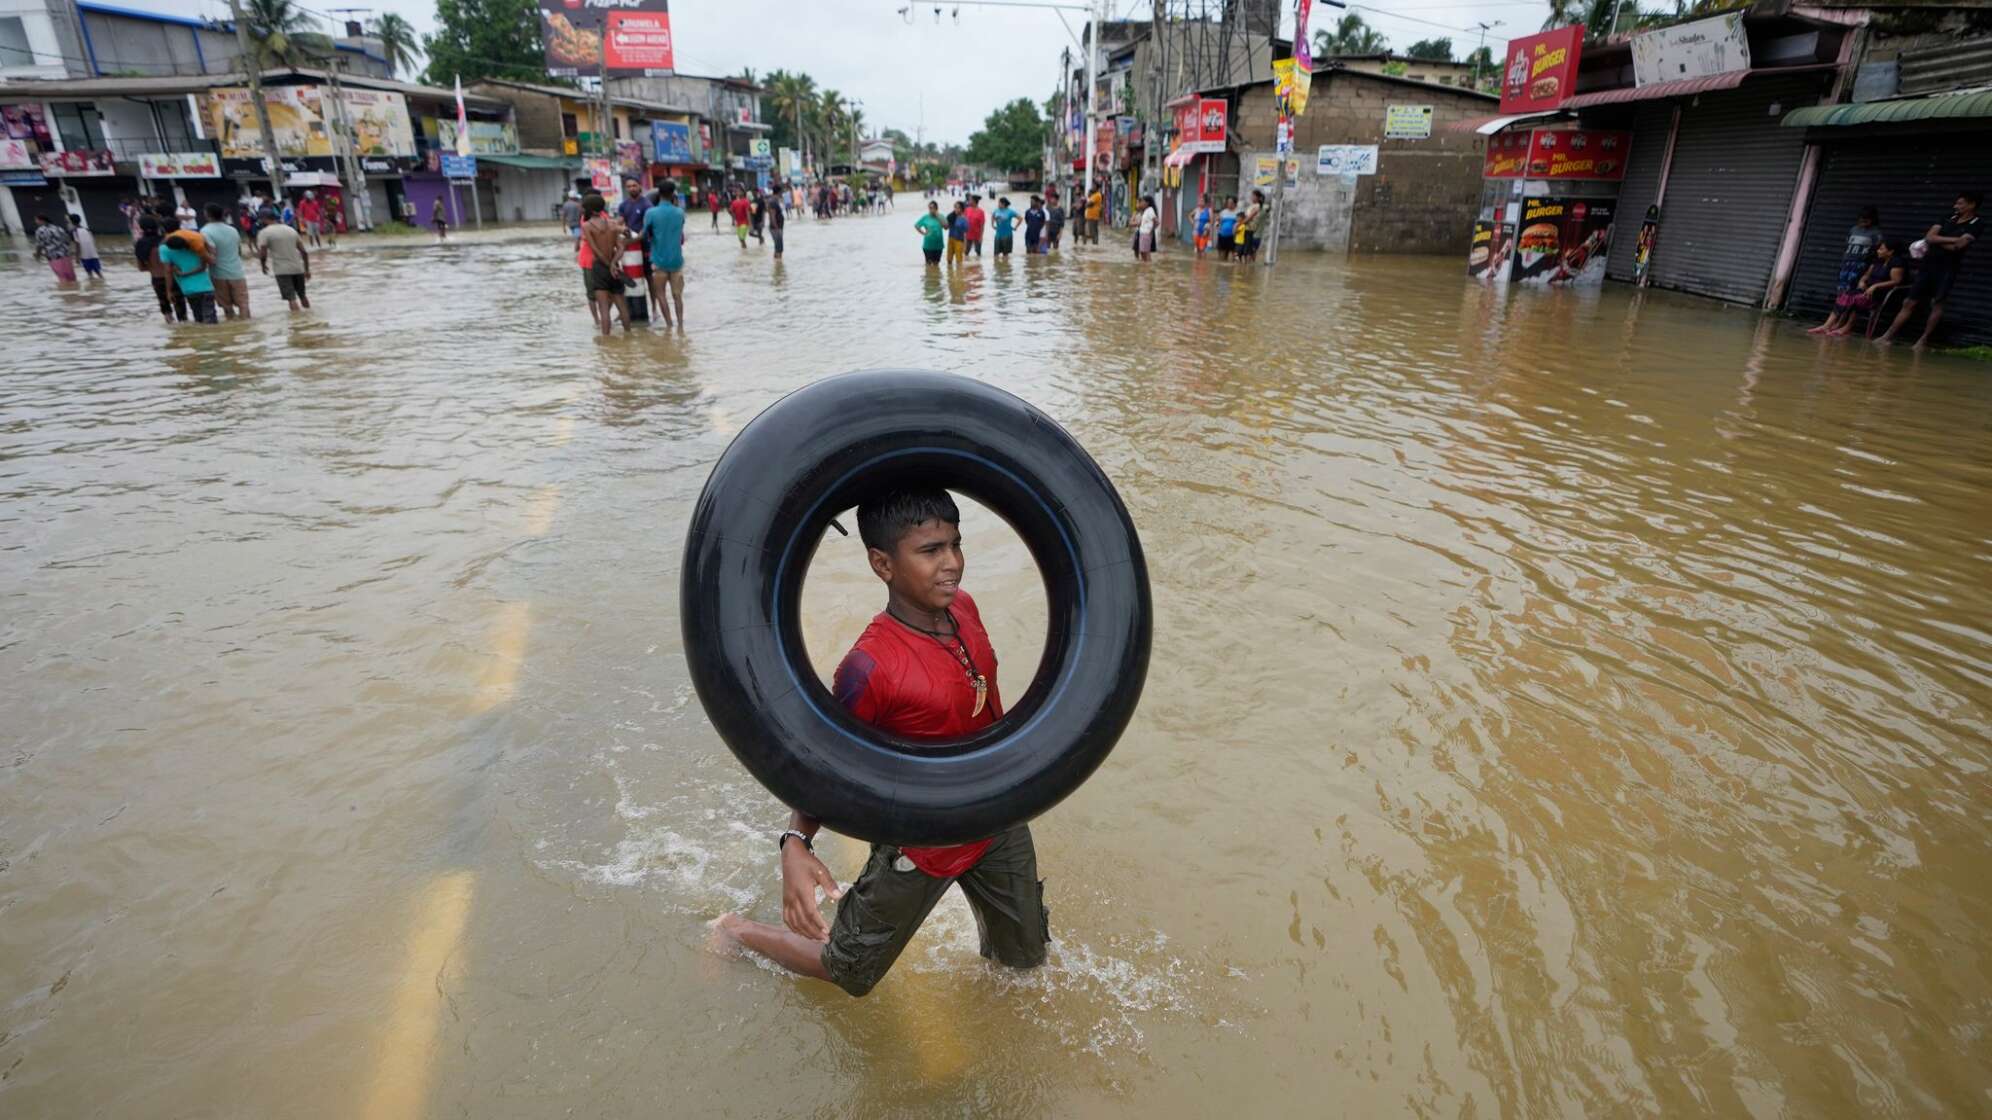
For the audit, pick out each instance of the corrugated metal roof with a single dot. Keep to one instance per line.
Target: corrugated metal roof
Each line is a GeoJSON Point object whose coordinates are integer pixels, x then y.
{"type": "Point", "coordinates": [1935, 107]}
{"type": "Point", "coordinates": [1688, 87]}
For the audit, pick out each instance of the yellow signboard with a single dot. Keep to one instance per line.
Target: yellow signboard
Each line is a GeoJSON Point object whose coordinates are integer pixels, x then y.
{"type": "Point", "coordinates": [1290, 85]}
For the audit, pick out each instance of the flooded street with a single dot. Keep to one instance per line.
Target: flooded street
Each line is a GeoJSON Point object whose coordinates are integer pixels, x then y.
{"type": "Point", "coordinates": [1562, 704]}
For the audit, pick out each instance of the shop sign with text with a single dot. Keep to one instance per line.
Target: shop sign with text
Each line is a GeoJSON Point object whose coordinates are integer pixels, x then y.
{"type": "Point", "coordinates": [179, 165]}
{"type": "Point", "coordinates": [1700, 49]}
{"type": "Point", "coordinates": [1200, 126]}
{"type": "Point", "coordinates": [1578, 153]}
{"type": "Point", "coordinates": [1407, 122]}
{"type": "Point", "coordinates": [78, 162]}
{"type": "Point", "coordinates": [1541, 70]}
{"type": "Point", "coordinates": [1507, 155]}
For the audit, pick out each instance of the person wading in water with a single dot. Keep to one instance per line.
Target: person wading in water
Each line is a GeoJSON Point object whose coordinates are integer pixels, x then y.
{"type": "Point", "coordinates": [923, 669]}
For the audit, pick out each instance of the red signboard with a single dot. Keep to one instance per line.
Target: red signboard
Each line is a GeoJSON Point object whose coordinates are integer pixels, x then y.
{"type": "Point", "coordinates": [1541, 70]}
{"type": "Point", "coordinates": [1200, 126]}
{"type": "Point", "coordinates": [624, 38]}
{"type": "Point", "coordinates": [1507, 154]}
{"type": "Point", "coordinates": [1577, 153]}
{"type": "Point", "coordinates": [639, 41]}
{"type": "Point", "coordinates": [1103, 140]}
{"type": "Point", "coordinates": [78, 162]}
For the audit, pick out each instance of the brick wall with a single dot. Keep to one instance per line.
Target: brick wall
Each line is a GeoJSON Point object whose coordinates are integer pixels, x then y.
{"type": "Point", "coordinates": [1424, 194]}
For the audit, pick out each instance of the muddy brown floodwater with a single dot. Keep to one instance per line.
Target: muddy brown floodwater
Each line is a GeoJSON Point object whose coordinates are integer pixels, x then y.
{"type": "Point", "coordinates": [1563, 705]}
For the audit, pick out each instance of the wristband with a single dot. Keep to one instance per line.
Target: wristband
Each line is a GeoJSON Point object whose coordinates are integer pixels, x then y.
{"type": "Point", "coordinates": [781, 842]}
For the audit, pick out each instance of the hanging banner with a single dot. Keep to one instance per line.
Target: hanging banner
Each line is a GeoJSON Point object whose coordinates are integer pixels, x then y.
{"type": "Point", "coordinates": [1564, 241]}
{"type": "Point", "coordinates": [179, 165]}
{"type": "Point", "coordinates": [25, 121]}
{"type": "Point", "coordinates": [601, 175]}
{"type": "Point", "coordinates": [78, 163]}
{"type": "Point", "coordinates": [1700, 49]}
{"type": "Point", "coordinates": [1290, 86]}
{"type": "Point", "coordinates": [630, 38]}
{"type": "Point", "coordinates": [1541, 70]}
{"type": "Point", "coordinates": [1578, 153]}
{"type": "Point", "coordinates": [1313, 30]}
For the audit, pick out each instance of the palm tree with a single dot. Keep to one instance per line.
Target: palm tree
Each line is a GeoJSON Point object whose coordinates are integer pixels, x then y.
{"type": "Point", "coordinates": [830, 111]}
{"type": "Point", "coordinates": [855, 121]}
{"type": "Point", "coordinates": [283, 32]}
{"type": "Point", "coordinates": [1352, 36]}
{"type": "Point", "coordinates": [397, 42]}
{"type": "Point", "coordinates": [792, 96]}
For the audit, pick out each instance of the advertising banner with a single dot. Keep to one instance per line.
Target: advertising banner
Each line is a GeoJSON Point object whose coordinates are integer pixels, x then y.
{"type": "Point", "coordinates": [487, 138]}
{"type": "Point", "coordinates": [1290, 86]}
{"type": "Point", "coordinates": [78, 162]}
{"type": "Point", "coordinates": [25, 121]}
{"type": "Point", "coordinates": [454, 166]}
{"type": "Point", "coordinates": [1407, 122]}
{"type": "Point", "coordinates": [1266, 172]}
{"type": "Point", "coordinates": [1691, 50]}
{"type": "Point", "coordinates": [601, 176]}
{"type": "Point", "coordinates": [671, 142]}
{"type": "Point", "coordinates": [179, 165]}
{"type": "Point", "coordinates": [1200, 126]}
{"type": "Point", "coordinates": [629, 158]}
{"type": "Point", "coordinates": [1563, 241]}
{"type": "Point", "coordinates": [1489, 253]}
{"type": "Point", "coordinates": [1507, 155]}
{"type": "Point", "coordinates": [1345, 159]}
{"type": "Point", "coordinates": [298, 115]}
{"type": "Point", "coordinates": [1578, 153]}
{"type": "Point", "coordinates": [1103, 141]}
{"type": "Point", "coordinates": [630, 38]}
{"type": "Point", "coordinates": [1313, 27]}
{"type": "Point", "coordinates": [15, 156]}
{"type": "Point", "coordinates": [1541, 70]}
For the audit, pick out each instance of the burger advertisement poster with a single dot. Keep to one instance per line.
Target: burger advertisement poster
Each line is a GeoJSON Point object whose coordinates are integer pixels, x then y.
{"type": "Point", "coordinates": [1541, 70]}
{"type": "Point", "coordinates": [1577, 153]}
{"type": "Point", "coordinates": [628, 38]}
{"type": "Point", "coordinates": [1487, 261]}
{"type": "Point", "coordinates": [1563, 241]}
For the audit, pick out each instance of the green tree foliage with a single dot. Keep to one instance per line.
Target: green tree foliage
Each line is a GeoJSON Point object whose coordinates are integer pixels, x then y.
{"type": "Point", "coordinates": [283, 33]}
{"type": "Point", "coordinates": [398, 42]}
{"type": "Point", "coordinates": [485, 39]}
{"type": "Point", "coordinates": [1012, 138]}
{"type": "Point", "coordinates": [1352, 36]}
{"type": "Point", "coordinates": [1433, 50]}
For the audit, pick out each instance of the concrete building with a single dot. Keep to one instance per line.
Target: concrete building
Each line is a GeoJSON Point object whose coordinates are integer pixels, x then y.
{"type": "Point", "coordinates": [84, 39]}
{"type": "Point", "coordinates": [1422, 192]}
{"type": "Point", "coordinates": [728, 112]}
{"type": "Point", "coordinates": [651, 141]}
{"type": "Point", "coordinates": [1442, 72]}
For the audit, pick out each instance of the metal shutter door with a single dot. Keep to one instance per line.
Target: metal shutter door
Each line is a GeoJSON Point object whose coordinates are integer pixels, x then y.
{"type": "Point", "coordinates": [1729, 191]}
{"type": "Point", "coordinates": [1912, 180]}
{"type": "Point", "coordinates": [1642, 182]}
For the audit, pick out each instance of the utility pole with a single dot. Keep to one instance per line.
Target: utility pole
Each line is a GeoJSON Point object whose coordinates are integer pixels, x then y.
{"type": "Point", "coordinates": [359, 208]}
{"type": "Point", "coordinates": [1484, 29]}
{"type": "Point", "coordinates": [252, 62]}
{"type": "Point", "coordinates": [1092, 92]}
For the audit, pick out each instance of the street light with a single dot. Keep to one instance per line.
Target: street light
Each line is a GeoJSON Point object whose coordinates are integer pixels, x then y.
{"type": "Point", "coordinates": [1484, 29]}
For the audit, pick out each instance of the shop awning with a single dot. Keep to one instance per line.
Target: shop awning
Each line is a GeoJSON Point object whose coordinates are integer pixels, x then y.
{"type": "Point", "coordinates": [1935, 107]}
{"type": "Point", "coordinates": [533, 163]}
{"type": "Point", "coordinates": [1488, 126]}
{"type": "Point", "coordinates": [1686, 87]}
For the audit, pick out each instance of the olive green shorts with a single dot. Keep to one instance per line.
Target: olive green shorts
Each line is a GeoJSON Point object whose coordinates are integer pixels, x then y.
{"type": "Point", "coordinates": [880, 912]}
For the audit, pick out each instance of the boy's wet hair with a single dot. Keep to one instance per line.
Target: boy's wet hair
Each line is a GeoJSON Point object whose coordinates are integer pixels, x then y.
{"type": "Point", "coordinates": [593, 204]}
{"type": "Point", "coordinates": [884, 519]}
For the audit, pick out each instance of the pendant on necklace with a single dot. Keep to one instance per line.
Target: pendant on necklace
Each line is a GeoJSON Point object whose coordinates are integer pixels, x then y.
{"type": "Point", "coordinates": [981, 695]}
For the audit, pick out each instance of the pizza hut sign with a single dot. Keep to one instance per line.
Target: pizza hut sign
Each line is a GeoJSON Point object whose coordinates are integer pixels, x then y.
{"type": "Point", "coordinates": [1541, 70]}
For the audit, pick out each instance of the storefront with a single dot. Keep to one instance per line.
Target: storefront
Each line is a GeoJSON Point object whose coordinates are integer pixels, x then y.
{"type": "Point", "coordinates": [1909, 158]}
{"type": "Point", "coordinates": [530, 188]}
{"type": "Point", "coordinates": [1549, 207]}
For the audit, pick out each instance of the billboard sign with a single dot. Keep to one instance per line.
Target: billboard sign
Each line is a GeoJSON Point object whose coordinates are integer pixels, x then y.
{"type": "Point", "coordinates": [671, 141]}
{"type": "Point", "coordinates": [179, 165]}
{"type": "Point", "coordinates": [78, 162]}
{"type": "Point", "coordinates": [298, 115]}
{"type": "Point", "coordinates": [25, 121]}
{"type": "Point", "coordinates": [1563, 241]}
{"type": "Point", "coordinates": [1700, 49]}
{"type": "Point", "coordinates": [487, 138]}
{"type": "Point", "coordinates": [1200, 126]}
{"type": "Point", "coordinates": [455, 166]}
{"type": "Point", "coordinates": [1541, 70]}
{"type": "Point", "coordinates": [627, 38]}
{"type": "Point", "coordinates": [15, 156]}
{"type": "Point", "coordinates": [1345, 159]}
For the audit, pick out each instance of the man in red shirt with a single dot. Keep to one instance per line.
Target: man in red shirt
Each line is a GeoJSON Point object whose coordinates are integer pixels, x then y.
{"type": "Point", "coordinates": [743, 212]}
{"type": "Point", "coordinates": [976, 218]}
{"type": "Point", "coordinates": [311, 215]}
{"type": "Point", "coordinates": [923, 669]}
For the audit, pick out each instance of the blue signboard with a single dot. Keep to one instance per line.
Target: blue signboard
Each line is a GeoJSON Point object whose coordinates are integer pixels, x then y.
{"type": "Point", "coordinates": [459, 167]}
{"type": "Point", "coordinates": [22, 179]}
{"type": "Point", "coordinates": [672, 141]}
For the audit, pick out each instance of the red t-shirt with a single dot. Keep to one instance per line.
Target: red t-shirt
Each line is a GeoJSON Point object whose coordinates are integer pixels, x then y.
{"type": "Point", "coordinates": [975, 219]}
{"type": "Point", "coordinates": [742, 211]}
{"type": "Point", "coordinates": [308, 210]}
{"type": "Point", "coordinates": [904, 682]}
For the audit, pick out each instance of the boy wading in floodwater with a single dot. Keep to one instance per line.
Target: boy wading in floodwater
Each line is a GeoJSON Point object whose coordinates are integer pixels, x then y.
{"type": "Point", "coordinates": [923, 669]}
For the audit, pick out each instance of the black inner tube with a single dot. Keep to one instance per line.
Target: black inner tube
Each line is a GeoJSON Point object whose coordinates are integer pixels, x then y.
{"type": "Point", "coordinates": [756, 527]}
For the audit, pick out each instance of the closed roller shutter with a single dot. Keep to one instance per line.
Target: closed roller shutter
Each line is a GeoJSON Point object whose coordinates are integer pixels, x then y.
{"type": "Point", "coordinates": [1912, 180]}
{"type": "Point", "coordinates": [1729, 191]}
{"type": "Point", "coordinates": [1642, 183]}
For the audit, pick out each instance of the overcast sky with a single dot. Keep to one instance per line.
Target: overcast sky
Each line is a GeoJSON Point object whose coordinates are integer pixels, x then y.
{"type": "Point", "coordinates": [944, 76]}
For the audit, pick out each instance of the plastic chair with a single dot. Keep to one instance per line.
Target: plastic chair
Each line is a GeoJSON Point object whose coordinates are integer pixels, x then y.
{"type": "Point", "coordinates": [1884, 309]}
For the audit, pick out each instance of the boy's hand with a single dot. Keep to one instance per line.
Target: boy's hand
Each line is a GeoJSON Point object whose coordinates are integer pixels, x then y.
{"type": "Point", "coordinates": [802, 873]}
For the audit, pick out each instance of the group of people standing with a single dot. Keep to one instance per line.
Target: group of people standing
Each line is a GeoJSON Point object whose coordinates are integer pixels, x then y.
{"type": "Point", "coordinates": [1235, 232]}
{"type": "Point", "coordinates": [654, 221]}
{"type": "Point", "coordinates": [197, 269]}
{"type": "Point", "coordinates": [960, 234]}
{"type": "Point", "coordinates": [1875, 267]}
